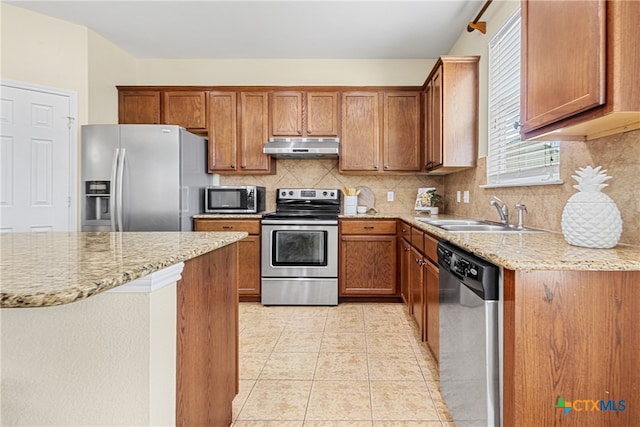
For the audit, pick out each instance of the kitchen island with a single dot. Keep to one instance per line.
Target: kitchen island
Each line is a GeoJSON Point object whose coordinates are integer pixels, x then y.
{"type": "Point", "coordinates": [118, 328]}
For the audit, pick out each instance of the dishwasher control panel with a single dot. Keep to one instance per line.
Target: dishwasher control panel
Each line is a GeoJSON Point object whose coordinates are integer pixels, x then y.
{"type": "Point", "coordinates": [477, 273]}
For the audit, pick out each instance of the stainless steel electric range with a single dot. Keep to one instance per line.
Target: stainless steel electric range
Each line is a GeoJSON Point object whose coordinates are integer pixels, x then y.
{"type": "Point", "coordinates": [300, 248]}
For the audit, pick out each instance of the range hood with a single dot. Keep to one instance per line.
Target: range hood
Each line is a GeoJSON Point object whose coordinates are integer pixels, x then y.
{"type": "Point", "coordinates": [302, 148]}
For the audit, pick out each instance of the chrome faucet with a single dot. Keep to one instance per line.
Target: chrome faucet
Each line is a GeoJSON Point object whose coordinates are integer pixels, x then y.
{"type": "Point", "coordinates": [522, 209]}
{"type": "Point", "coordinates": [502, 208]}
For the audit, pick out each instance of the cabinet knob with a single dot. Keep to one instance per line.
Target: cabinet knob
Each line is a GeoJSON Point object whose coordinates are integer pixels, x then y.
{"type": "Point", "coordinates": [233, 166]}
{"type": "Point", "coordinates": [376, 167]}
{"type": "Point", "coordinates": [243, 167]}
{"type": "Point", "coordinates": [386, 167]}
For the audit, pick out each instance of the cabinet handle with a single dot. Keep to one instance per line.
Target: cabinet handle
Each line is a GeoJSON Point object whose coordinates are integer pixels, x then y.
{"type": "Point", "coordinates": [233, 166]}
{"type": "Point", "coordinates": [243, 167]}
{"type": "Point", "coordinates": [368, 227]}
{"type": "Point", "coordinates": [404, 230]}
{"type": "Point", "coordinates": [376, 167]}
{"type": "Point", "coordinates": [386, 167]}
{"type": "Point", "coordinates": [405, 249]}
{"type": "Point", "coordinates": [227, 227]}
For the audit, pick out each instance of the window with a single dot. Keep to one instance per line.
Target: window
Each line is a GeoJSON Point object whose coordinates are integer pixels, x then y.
{"type": "Point", "coordinates": [511, 161]}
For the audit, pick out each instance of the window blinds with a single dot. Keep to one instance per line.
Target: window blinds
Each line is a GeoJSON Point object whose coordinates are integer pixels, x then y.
{"type": "Point", "coordinates": [511, 161]}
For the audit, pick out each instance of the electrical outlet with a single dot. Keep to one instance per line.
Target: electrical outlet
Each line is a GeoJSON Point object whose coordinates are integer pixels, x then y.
{"type": "Point", "coordinates": [390, 196]}
{"type": "Point", "coordinates": [458, 198]}
{"type": "Point", "coordinates": [465, 196]}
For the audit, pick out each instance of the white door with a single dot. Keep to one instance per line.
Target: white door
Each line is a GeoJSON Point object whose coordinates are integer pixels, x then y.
{"type": "Point", "coordinates": [38, 165]}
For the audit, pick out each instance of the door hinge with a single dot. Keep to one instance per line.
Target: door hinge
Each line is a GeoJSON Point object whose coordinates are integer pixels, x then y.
{"type": "Point", "coordinates": [70, 121]}
{"type": "Point", "coordinates": [68, 201]}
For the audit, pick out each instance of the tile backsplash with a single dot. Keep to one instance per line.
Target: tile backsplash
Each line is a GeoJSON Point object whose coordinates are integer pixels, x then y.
{"type": "Point", "coordinates": [618, 154]}
{"type": "Point", "coordinates": [323, 173]}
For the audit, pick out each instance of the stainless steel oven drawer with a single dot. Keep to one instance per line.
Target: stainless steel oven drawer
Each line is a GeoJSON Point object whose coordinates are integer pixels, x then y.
{"type": "Point", "coordinates": [299, 291]}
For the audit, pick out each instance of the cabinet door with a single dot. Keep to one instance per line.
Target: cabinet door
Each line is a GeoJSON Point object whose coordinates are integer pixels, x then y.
{"type": "Point", "coordinates": [222, 131]}
{"type": "Point", "coordinates": [186, 109]}
{"type": "Point", "coordinates": [434, 143]}
{"type": "Point", "coordinates": [405, 264]}
{"type": "Point", "coordinates": [139, 107]}
{"type": "Point", "coordinates": [416, 289]}
{"type": "Point", "coordinates": [432, 294]}
{"type": "Point", "coordinates": [561, 79]}
{"type": "Point", "coordinates": [254, 132]}
{"type": "Point", "coordinates": [249, 271]}
{"type": "Point", "coordinates": [401, 137]}
{"type": "Point", "coordinates": [286, 113]}
{"type": "Point", "coordinates": [322, 114]}
{"type": "Point", "coordinates": [360, 134]}
{"type": "Point", "coordinates": [368, 265]}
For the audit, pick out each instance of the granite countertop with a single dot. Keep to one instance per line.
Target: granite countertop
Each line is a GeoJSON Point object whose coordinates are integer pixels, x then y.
{"type": "Point", "coordinates": [514, 251]}
{"type": "Point", "coordinates": [46, 269]}
{"type": "Point", "coordinates": [528, 251]}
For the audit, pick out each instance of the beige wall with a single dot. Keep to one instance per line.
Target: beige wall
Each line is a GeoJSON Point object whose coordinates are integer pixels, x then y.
{"type": "Point", "coordinates": [619, 155]}
{"type": "Point", "coordinates": [108, 66]}
{"type": "Point", "coordinates": [41, 50]}
{"type": "Point", "coordinates": [265, 72]}
{"type": "Point", "coordinates": [38, 49]}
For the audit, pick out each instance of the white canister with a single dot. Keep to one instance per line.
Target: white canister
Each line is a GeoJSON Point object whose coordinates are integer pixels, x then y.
{"type": "Point", "coordinates": [350, 205]}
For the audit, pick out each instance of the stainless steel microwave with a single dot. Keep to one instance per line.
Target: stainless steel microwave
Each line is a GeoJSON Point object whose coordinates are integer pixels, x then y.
{"type": "Point", "coordinates": [234, 199]}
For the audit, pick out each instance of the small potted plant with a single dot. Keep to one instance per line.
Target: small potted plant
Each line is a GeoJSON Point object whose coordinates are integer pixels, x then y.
{"type": "Point", "coordinates": [434, 201]}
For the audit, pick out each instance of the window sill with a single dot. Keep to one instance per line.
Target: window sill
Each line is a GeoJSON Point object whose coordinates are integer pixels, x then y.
{"type": "Point", "coordinates": [523, 184]}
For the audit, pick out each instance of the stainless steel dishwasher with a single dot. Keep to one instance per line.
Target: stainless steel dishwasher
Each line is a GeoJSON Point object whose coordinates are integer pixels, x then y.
{"type": "Point", "coordinates": [469, 361]}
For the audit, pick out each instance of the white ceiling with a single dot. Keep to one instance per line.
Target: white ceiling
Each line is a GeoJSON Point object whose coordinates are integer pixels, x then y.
{"type": "Point", "coordinates": [271, 29]}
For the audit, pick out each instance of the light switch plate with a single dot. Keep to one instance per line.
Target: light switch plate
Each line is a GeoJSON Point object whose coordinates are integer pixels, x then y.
{"type": "Point", "coordinates": [465, 196]}
{"type": "Point", "coordinates": [458, 198]}
{"type": "Point", "coordinates": [390, 196]}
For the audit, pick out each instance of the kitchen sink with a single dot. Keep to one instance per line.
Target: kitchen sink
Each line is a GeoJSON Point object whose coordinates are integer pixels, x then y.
{"type": "Point", "coordinates": [476, 226]}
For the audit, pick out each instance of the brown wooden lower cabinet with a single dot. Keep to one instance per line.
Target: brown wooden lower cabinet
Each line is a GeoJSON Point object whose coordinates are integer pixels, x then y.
{"type": "Point", "coordinates": [405, 262]}
{"type": "Point", "coordinates": [432, 307]}
{"type": "Point", "coordinates": [249, 247]}
{"type": "Point", "coordinates": [416, 286]}
{"type": "Point", "coordinates": [571, 335]}
{"type": "Point", "coordinates": [207, 339]}
{"type": "Point", "coordinates": [367, 258]}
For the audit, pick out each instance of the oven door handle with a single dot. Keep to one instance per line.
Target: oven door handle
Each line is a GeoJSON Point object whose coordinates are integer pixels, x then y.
{"type": "Point", "coordinates": [298, 222]}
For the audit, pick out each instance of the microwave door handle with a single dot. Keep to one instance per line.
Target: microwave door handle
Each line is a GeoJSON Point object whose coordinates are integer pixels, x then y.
{"type": "Point", "coordinates": [120, 184]}
{"type": "Point", "coordinates": [112, 198]}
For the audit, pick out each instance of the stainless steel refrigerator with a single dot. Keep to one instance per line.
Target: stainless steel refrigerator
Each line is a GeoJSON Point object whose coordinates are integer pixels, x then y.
{"type": "Point", "coordinates": [142, 177]}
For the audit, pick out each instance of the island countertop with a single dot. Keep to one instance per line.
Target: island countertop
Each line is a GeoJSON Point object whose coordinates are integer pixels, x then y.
{"type": "Point", "coordinates": [47, 269]}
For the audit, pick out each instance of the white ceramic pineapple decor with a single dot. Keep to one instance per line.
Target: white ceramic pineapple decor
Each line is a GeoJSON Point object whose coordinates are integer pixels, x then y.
{"type": "Point", "coordinates": [591, 218]}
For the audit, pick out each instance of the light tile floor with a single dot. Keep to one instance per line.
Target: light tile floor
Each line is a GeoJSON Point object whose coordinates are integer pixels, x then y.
{"type": "Point", "coordinates": [354, 365]}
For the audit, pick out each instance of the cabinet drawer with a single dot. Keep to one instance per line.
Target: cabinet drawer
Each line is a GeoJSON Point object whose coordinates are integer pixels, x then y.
{"type": "Point", "coordinates": [404, 230]}
{"type": "Point", "coordinates": [251, 227]}
{"type": "Point", "coordinates": [417, 239]}
{"type": "Point", "coordinates": [368, 227]}
{"type": "Point", "coordinates": [431, 248]}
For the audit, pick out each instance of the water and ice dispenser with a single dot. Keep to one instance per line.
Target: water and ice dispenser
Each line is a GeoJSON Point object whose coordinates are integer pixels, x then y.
{"type": "Point", "coordinates": [97, 213]}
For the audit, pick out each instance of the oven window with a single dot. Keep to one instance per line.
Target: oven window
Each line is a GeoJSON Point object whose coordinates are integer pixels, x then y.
{"type": "Point", "coordinates": [299, 247]}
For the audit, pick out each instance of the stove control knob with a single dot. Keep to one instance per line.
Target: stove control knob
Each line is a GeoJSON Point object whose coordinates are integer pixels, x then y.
{"type": "Point", "coordinates": [284, 193]}
{"type": "Point", "coordinates": [324, 193]}
{"type": "Point", "coordinates": [291, 193]}
{"type": "Point", "coordinates": [332, 194]}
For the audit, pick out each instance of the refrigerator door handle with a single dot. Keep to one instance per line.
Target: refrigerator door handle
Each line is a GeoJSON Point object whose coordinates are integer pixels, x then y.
{"type": "Point", "coordinates": [112, 198]}
{"type": "Point", "coordinates": [119, 190]}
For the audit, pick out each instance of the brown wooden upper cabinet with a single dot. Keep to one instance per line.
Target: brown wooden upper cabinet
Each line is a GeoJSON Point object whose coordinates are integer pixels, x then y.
{"type": "Point", "coordinates": [380, 131]}
{"type": "Point", "coordinates": [586, 86]}
{"type": "Point", "coordinates": [450, 96]}
{"type": "Point", "coordinates": [238, 129]}
{"type": "Point", "coordinates": [183, 108]}
{"type": "Point", "coordinates": [305, 114]}
{"type": "Point", "coordinates": [139, 107]}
